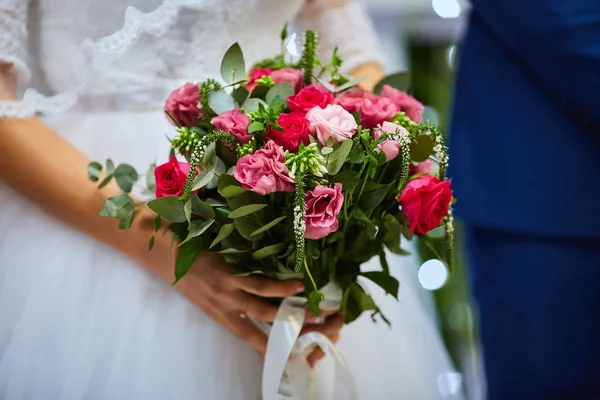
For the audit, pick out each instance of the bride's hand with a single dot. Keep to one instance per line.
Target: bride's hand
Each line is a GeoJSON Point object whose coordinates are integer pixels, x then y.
{"type": "Point", "coordinates": [331, 328]}
{"type": "Point", "coordinates": [231, 299]}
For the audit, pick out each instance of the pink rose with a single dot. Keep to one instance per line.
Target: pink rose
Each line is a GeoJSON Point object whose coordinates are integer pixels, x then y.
{"type": "Point", "coordinates": [182, 104]}
{"type": "Point", "coordinates": [376, 110]}
{"type": "Point", "coordinates": [391, 147]}
{"type": "Point", "coordinates": [353, 100]}
{"type": "Point", "coordinates": [234, 122]}
{"type": "Point", "coordinates": [404, 102]}
{"type": "Point", "coordinates": [323, 204]}
{"type": "Point", "coordinates": [310, 97]}
{"type": "Point", "coordinates": [170, 178]}
{"type": "Point", "coordinates": [255, 74]}
{"type": "Point", "coordinates": [425, 201]}
{"type": "Point", "coordinates": [290, 75]}
{"type": "Point", "coordinates": [264, 171]}
{"type": "Point", "coordinates": [424, 167]}
{"type": "Point", "coordinates": [332, 122]}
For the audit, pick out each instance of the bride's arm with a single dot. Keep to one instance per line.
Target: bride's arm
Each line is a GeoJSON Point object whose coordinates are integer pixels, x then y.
{"type": "Point", "coordinates": [345, 24]}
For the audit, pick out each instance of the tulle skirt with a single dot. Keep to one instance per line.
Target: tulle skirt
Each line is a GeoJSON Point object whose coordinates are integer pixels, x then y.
{"type": "Point", "coordinates": [81, 321]}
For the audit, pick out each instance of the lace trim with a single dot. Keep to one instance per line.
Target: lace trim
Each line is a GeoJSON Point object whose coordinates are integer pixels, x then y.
{"type": "Point", "coordinates": [33, 102]}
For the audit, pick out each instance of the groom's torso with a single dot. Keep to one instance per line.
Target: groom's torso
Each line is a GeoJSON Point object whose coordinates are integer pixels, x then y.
{"type": "Point", "coordinates": [519, 159]}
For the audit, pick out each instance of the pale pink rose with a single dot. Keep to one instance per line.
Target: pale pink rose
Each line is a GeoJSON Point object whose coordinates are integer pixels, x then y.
{"type": "Point", "coordinates": [290, 75]}
{"type": "Point", "coordinates": [424, 167]}
{"type": "Point", "coordinates": [264, 171]}
{"type": "Point", "coordinates": [376, 110]}
{"type": "Point", "coordinates": [234, 122]}
{"type": "Point", "coordinates": [331, 122]}
{"type": "Point", "coordinates": [323, 204]}
{"type": "Point", "coordinates": [391, 146]}
{"type": "Point", "coordinates": [404, 102]}
{"type": "Point", "coordinates": [182, 104]}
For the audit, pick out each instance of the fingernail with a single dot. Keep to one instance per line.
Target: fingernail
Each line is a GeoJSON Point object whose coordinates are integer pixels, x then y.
{"type": "Point", "coordinates": [311, 319]}
{"type": "Point", "coordinates": [300, 287]}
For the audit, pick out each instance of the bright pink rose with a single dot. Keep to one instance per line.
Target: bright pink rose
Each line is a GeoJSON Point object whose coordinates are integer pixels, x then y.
{"type": "Point", "coordinates": [290, 75]}
{"type": "Point", "coordinates": [170, 178]}
{"type": "Point", "coordinates": [323, 204]}
{"type": "Point", "coordinates": [255, 74]}
{"type": "Point", "coordinates": [264, 171]}
{"type": "Point", "coordinates": [310, 97]}
{"type": "Point", "coordinates": [353, 100]}
{"type": "Point", "coordinates": [425, 201]}
{"type": "Point", "coordinates": [332, 122]}
{"type": "Point", "coordinates": [234, 122]}
{"type": "Point", "coordinates": [296, 130]}
{"type": "Point", "coordinates": [182, 104]}
{"type": "Point", "coordinates": [376, 110]}
{"type": "Point", "coordinates": [404, 102]}
{"type": "Point", "coordinates": [424, 167]}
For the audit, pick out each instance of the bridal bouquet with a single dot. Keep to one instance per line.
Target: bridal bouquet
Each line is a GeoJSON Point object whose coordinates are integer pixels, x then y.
{"type": "Point", "coordinates": [293, 171]}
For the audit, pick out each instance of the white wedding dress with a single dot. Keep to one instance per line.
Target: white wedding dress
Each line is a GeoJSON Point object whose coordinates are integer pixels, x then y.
{"type": "Point", "coordinates": [81, 321]}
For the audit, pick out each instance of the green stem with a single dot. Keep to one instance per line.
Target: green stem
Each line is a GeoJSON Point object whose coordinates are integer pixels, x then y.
{"type": "Point", "coordinates": [310, 275]}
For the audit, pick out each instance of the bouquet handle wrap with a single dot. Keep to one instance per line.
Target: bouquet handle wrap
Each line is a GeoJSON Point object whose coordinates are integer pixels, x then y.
{"type": "Point", "coordinates": [286, 373]}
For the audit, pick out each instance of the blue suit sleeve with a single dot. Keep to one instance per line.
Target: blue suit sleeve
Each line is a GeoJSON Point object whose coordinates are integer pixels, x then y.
{"type": "Point", "coordinates": [559, 42]}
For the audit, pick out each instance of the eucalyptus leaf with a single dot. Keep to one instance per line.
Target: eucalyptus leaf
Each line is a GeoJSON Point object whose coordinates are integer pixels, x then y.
{"type": "Point", "coordinates": [268, 226]}
{"type": "Point", "coordinates": [252, 104]}
{"type": "Point", "coordinates": [260, 92]}
{"type": "Point", "coordinates": [94, 170]}
{"type": "Point", "coordinates": [169, 207]}
{"type": "Point", "coordinates": [220, 102]}
{"type": "Point", "coordinates": [226, 180]}
{"type": "Point", "coordinates": [349, 84]}
{"type": "Point", "coordinates": [121, 207]}
{"type": "Point", "coordinates": [282, 90]}
{"type": "Point", "coordinates": [399, 81]}
{"type": "Point", "coordinates": [151, 179]}
{"type": "Point", "coordinates": [246, 226]}
{"type": "Point", "coordinates": [338, 156]}
{"type": "Point", "coordinates": [126, 176]}
{"type": "Point", "coordinates": [187, 254]}
{"type": "Point", "coordinates": [110, 166]}
{"type": "Point", "coordinates": [225, 231]}
{"type": "Point", "coordinates": [232, 191]}
{"type": "Point", "coordinates": [387, 282]}
{"type": "Point", "coordinates": [105, 181]}
{"type": "Point", "coordinates": [187, 209]}
{"type": "Point", "coordinates": [201, 208]}
{"type": "Point", "coordinates": [421, 147]}
{"type": "Point", "coordinates": [268, 251]}
{"type": "Point", "coordinates": [240, 95]}
{"type": "Point", "coordinates": [203, 179]}
{"type": "Point", "coordinates": [215, 202]}
{"type": "Point", "coordinates": [326, 150]}
{"type": "Point", "coordinates": [246, 210]}
{"type": "Point", "coordinates": [349, 179]}
{"type": "Point", "coordinates": [197, 228]}
{"type": "Point", "coordinates": [233, 66]}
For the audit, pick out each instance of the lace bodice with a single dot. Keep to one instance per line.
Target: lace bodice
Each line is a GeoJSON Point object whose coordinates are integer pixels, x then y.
{"type": "Point", "coordinates": [96, 47]}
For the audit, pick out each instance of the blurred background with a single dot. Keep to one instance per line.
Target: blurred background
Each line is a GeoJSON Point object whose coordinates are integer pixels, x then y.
{"type": "Point", "coordinates": [422, 36]}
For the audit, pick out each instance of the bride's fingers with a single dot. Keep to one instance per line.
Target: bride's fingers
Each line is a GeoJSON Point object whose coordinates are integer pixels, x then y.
{"type": "Point", "coordinates": [315, 357]}
{"type": "Point", "coordinates": [246, 331]}
{"type": "Point", "coordinates": [265, 287]}
{"type": "Point", "coordinates": [329, 328]}
{"type": "Point", "coordinates": [257, 308]}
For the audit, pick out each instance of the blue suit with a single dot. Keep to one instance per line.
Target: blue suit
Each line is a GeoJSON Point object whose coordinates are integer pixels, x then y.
{"type": "Point", "coordinates": [525, 163]}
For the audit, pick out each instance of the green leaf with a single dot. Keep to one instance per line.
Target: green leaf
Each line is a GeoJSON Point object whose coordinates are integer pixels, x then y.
{"type": "Point", "coordinates": [121, 207]}
{"type": "Point", "coordinates": [276, 105]}
{"type": "Point", "coordinates": [392, 224]}
{"type": "Point", "coordinates": [385, 281]}
{"type": "Point", "coordinates": [225, 231]}
{"type": "Point", "coordinates": [252, 105]}
{"type": "Point", "coordinates": [203, 179]}
{"type": "Point", "coordinates": [110, 166]}
{"type": "Point", "coordinates": [284, 33]}
{"type": "Point", "coordinates": [197, 228]}
{"type": "Point", "coordinates": [421, 147]}
{"type": "Point", "coordinates": [157, 222]}
{"type": "Point", "coordinates": [348, 178]}
{"type": "Point", "coordinates": [365, 302]}
{"type": "Point", "coordinates": [338, 156]}
{"type": "Point", "coordinates": [215, 202]}
{"type": "Point", "coordinates": [187, 209]}
{"type": "Point", "coordinates": [392, 242]}
{"type": "Point", "coordinates": [268, 226]}
{"type": "Point", "coordinates": [314, 300]}
{"type": "Point", "coordinates": [105, 181]}
{"type": "Point", "coordinates": [94, 170]}
{"type": "Point", "coordinates": [371, 228]}
{"type": "Point", "coordinates": [246, 210]}
{"type": "Point", "coordinates": [240, 95]}
{"type": "Point", "coordinates": [126, 176]}
{"type": "Point", "coordinates": [256, 127]}
{"type": "Point", "coordinates": [268, 251]}
{"type": "Point", "coordinates": [349, 84]}
{"type": "Point", "coordinates": [169, 207]}
{"type": "Point", "coordinates": [246, 226]}
{"type": "Point", "coordinates": [226, 180]}
{"type": "Point", "coordinates": [357, 154]}
{"type": "Point", "coordinates": [220, 102]}
{"type": "Point", "coordinates": [187, 254]}
{"type": "Point", "coordinates": [260, 92]}
{"type": "Point", "coordinates": [400, 81]}
{"type": "Point", "coordinates": [151, 179]}
{"type": "Point", "coordinates": [233, 66]}
{"type": "Point", "coordinates": [282, 90]}
{"type": "Point", "coordinates": [373, 195]}
{"type": "Point", "coordinates": [326, 150]}
{"type": "Point", "coordinates": [232, 191]}
{"type": "Point", "coordinates": [201, 208]}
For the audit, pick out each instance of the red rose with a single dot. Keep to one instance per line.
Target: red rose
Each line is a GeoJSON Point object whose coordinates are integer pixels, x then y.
{"type": "Point", "coordinates": [182, 104]}
{"type": "Point", "coordinates": [296, 130]}
{"type": "Point", "coordinates": [170, 178]}
{"type": "Point", "coordinates": [255, 74]}
{"type": "Point", "coordinates": [425, 201]}
{"type": "Point", "coordinates": [310, 97]}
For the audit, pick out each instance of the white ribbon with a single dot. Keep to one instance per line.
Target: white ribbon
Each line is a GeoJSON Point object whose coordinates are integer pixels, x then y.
{"type": "Point", "coordinates": [286, 373]}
